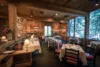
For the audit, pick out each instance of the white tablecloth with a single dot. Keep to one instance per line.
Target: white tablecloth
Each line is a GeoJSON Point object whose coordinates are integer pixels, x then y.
{"type": "Point", "coordinates": [35, 45]}
{"type": "Point", "coordinates": [95, 42]}
{"type": "Point", "coordinates": [82, 54]}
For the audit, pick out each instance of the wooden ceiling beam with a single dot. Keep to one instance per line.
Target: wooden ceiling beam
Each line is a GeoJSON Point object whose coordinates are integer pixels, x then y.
{"type": "Point", "coordinates": [34, 17]}
{"type": "Point", "coordinates": [70, 17]}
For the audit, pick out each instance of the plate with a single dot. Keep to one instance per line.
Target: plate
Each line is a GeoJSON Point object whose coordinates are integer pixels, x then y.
{"type": "Point", "coordinates": [10, 51]}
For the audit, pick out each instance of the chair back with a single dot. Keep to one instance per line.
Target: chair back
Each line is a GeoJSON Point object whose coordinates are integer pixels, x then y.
{"type": "Point", "coordinates": [91, 50]}
{"type": "Point", "coordinates": [54, 45]}
{"type": "Point", "coordinates": [72, 56]}
{"type": "Point", "coordinates": [91, 57]}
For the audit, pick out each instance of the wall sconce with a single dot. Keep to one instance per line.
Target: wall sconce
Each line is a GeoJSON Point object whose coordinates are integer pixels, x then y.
{"type": "Point", "coordinates": [26, 43]}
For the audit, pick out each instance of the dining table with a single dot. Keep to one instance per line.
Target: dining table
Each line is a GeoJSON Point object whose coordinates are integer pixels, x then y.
{"type": "Point", "coordinates": [82, 54]}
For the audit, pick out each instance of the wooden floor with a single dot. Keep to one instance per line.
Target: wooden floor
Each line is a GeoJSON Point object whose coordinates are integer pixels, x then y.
{"type": "Point", "coordinates": [46, 59]}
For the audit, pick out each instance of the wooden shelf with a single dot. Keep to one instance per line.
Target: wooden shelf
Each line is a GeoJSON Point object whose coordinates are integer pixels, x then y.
{"type": "Point", "coordinates": [7, 62]}
{"type": "Point", "coordinates": [22, 60]}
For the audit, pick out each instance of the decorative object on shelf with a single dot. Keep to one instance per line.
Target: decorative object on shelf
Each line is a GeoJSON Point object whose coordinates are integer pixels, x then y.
{"type": "Point", "coordinates": [26, 43]}
{"type": "Point", "coordinates": [9, 34]}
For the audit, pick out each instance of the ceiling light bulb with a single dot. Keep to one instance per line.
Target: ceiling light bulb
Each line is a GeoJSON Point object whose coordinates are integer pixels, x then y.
{"type": "Point", "coordinates": [56, 14]}
{"type": "Point", "coordinates": [96, 4]}
{"type": "Point", "coordinates": [49, 19]}
{"type": "Point", "coordinates": [2, 5]}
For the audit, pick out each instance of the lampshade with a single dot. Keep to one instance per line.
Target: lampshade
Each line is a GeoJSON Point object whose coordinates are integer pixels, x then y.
{"type": "Point", "coordinates": [26, 42]}
{"type": "Point", "coordinates": [3, 38]}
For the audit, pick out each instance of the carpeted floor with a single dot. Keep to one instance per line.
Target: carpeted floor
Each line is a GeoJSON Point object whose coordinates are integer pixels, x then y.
{"type": "Point", "coordinates": [46, 59]}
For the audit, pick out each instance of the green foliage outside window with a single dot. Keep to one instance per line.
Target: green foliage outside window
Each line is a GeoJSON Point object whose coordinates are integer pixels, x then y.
{"type": "Point", "coordinates": [94, 25]}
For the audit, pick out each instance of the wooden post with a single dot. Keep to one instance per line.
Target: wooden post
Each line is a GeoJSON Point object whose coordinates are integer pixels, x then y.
{"type": "Point", "coordinates": [74, 27]}
{"type": "Point", "coordinates": [12, 19]}
{"type": "Point", "coordinates": [86, 30]}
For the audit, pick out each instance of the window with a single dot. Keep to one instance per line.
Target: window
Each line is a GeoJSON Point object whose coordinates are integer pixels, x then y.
{"type": "Point", "coordinates": [79, 25]}
{"type": "Point", "coordinates": [71, 28]}
{"type": "Point", "coordinates": [94, 25]}
{"type": "Point", "coordinates": [47, 30]}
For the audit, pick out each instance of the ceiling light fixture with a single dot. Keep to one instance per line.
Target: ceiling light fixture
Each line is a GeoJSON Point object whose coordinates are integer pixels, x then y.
{"type": "Point", "coordinates": [31, 16]}
{"type": "Point", "coordinates": [62, 21]}
{"type": "Point", "coordinates": [96, 4]}
{"type": "Point", "coordinates": [50, 19]}
{"type": "Point", "coordinates": [41, 12]}
{"type": "Point", "coordinates": [56, 14]}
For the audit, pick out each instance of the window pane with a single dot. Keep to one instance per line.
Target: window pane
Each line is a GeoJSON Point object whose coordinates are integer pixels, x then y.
{"type": "Point", "coordinates": [45, 31]}
{"type": "Point", "coordinates": [49, 30]}
{"type": "Point", "coordinates": [79, 27]}
{"type": "Point", "coordinates": [71, 27]}
{"type": "Point", "coordinates": [94, 25]}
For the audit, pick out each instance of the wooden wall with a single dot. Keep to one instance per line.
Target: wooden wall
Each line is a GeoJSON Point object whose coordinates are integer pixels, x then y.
{"type": "Point", "coordinates": [60, 29]}
{"type": "Point", "coordinates": [33, 25]}
{"type": "Point", "coordinates": [3, 26]}
{"type": "Point", "coordinates": [27, 25]}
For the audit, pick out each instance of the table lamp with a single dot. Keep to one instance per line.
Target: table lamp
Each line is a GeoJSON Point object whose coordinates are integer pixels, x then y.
{"type": "Point", "coordinates": [26, 43]}
{"type": "Point", "coordinates": [3, 38]}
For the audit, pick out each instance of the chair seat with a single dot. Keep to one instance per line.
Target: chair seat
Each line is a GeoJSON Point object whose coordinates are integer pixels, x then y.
{"type": "Point", "coordinates": [71, 62]}
{"type": "Point", "coordinates": [89, 56]}
{"type": "Point", "coordinates": [71, 58]}
{"type": "Point", "coordinates": [57, 50]}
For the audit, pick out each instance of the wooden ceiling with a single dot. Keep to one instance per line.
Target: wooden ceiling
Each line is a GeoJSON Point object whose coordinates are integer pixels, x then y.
{"type": "Point", "coordinates": [82, 5]}
{"type": "Point", "coordinates": [38, 12]}
{"type": "Point", "coordinates": [65, 8]}
{"type": "Point", "coordinates": [35, 12]}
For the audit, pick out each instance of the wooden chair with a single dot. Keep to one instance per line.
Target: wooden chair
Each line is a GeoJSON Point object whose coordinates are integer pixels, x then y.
{"type": "Point", "coordinates": [72, 57]}
{"type": "Point", "coordinates": [56, 50]}
{"type": "Point", "coordinates": [50, 45]}
{"type": "Point", "coordinates": [91, 56]}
